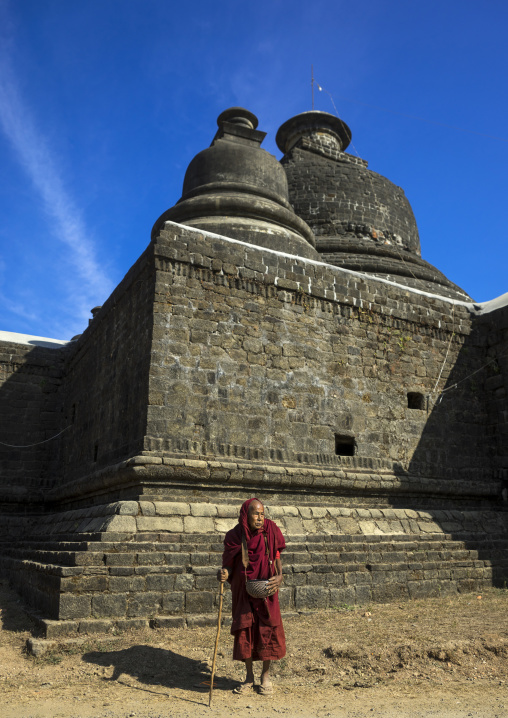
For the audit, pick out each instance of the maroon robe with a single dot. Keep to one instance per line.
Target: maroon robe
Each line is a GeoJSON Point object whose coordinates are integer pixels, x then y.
{"type": "Point", "coordinates": [257, 623]}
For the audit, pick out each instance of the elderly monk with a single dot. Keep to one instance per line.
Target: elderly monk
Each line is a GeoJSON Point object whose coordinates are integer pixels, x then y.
{"type": "Point", "coordinates": [252, 551]}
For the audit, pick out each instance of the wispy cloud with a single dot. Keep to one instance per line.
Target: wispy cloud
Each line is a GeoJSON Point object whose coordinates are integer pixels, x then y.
{"type": "Point", "coordinates": [19, 125]}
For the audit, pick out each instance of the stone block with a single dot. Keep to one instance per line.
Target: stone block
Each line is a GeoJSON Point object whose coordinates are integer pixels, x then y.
{"type": "Point", "coordinates": [328, 527]}
{"type": "Point", "coordinates": [127, 508]}
{"type": "Point", "coordinates": [199, 601]}
{"type": "Point", "coordinates": [201, 559]}
{"type": "Point", "coordinates": [311, 597]}
{"type": "Point", "coordinates": [177, 559]}
{"type": "Point", "coordinates": [171, 508]}
{"type": "Point", "coordinates": [168, 622]}
{"type": "Point", "coordinates": [289, 511]}
{"type": "Point", "coordinates": [348, 526]}
{"type": "Point", "coordinates": [121, 571]}
{"type": "Point", "coordinates": [198, 525]}
{"type": "Point", "coordinates": [119, 559]}
{"type": "Point", "coordinates": [151, 558]}
{"type": "Point", "coordinates": [387, 593]}
{"type": "Point", "coordinates": [174, 524]}
{"type": "Point", "coordinates": [123, 584]}
{"type": "Point", "coordinates": [72, 606]}
{"type": "Point", "coordinates": [293, 525]}
{"type": "Point", "coordinates": [205, 570]}
{"type": "Point", "coordinates": [302, 567]}
{"type": "Point", "coordinates": [147, 508]}
{"type": "Point", "coordinates": [363, 594]}
{"type": "Point", "coordinates": [173, 602]}
{"type": "Point", "coordinates": [203, 509]}
{"type": "Point", "coordinates": [108, 605]}
{"type": "Point", "coordinates": [86, 584]}
{"type": "Point", "coordinates": [423, 589]}
{"type": "Point", "coordinates": [120, 524]}
{"type": "Point", "coordinates": [184, 582]}
{"type": "Point", "coordinates": [226, 511]}
{"type": "Point", "coordinates": [144, 604]}
{"type": "Point", "coordinates": [369, 528]}
{"type": "Point", "coordinates": [273, 512]}
{"type": "Point", "coordinates": [58, 629]}
{"type": "Point", "coordinates": [206, 583]}
{"type": "Point", "coordinates": [222, 526]}
{"type": "Point", "coordinates": [195, 463]}
{"type": "Point", "coordinates": [95, 626]}
{"type": "Point", "coordinates": [285, 598]}
{"type": "Point", "coordinates": [342, 597]}
{"type": "Point", "coordinates": [160, 582]}
{"type": "Point", "coordinates": [131, 624]}
{"type": "Point", "coordinates": [202, 621]}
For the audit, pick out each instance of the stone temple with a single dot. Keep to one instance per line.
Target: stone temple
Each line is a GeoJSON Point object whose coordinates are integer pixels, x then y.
{"type": "Point", "coordinates": [279, 337]}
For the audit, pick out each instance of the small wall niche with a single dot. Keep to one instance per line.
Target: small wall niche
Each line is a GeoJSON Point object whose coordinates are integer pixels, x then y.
{"type": "Point", "coordinates": [415, 400]}
{"type": "Point", "coordinates": [95, 452]}
{"type": "Point", "coordinates": [345, 445]}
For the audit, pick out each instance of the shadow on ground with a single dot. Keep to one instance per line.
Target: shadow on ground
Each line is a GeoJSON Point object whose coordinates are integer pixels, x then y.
{"type": "Point", "coordinates": [159, 667]}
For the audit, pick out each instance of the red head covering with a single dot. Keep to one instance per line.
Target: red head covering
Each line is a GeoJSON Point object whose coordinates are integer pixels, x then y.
{"type": "Point", "coordinates": [243, 519]}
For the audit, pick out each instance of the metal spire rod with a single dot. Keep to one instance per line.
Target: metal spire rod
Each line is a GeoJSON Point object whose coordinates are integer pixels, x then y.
{"type": "Point", "coordinates": [312, 84]}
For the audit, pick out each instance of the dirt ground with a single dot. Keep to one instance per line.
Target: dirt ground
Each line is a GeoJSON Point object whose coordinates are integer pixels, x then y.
{"type": "Point", "coordinates": [445, 657]}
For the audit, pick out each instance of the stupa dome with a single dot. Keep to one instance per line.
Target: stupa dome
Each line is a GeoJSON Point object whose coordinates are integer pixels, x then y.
{"type": "Point", "coordinates": [361, 220]}
{"type": "Point", "coordinates": [239, 190]}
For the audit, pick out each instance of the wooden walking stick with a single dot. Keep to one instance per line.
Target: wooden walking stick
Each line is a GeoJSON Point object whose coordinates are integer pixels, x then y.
{"type": "Point", "coordinates": [221, 593]}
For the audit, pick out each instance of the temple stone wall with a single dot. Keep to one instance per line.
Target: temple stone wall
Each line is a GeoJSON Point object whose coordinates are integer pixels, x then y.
{"type": "Point", "coordinates": [362, 398]}
{"type": "Point", "coordinates": [267, 357]}
{"type": "Point", "coordinates": [359, 412]}
{"type": "Point", "coordinates": [106, 378]}
{"type": "Point", "coordinates": [495, 325]}
{"type": "Point", "coordinates": [31, 412]}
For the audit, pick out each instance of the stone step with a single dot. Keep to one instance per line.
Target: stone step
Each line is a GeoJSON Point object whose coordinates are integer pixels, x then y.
{"type": "Point", "coordinates": [105, 540]}
{"type": "Point", "coordinates": [146, 597]}
{"type": "Point", "coordinates": [123, 565]}
{"type": "Point", "coordinates": [204, 551]}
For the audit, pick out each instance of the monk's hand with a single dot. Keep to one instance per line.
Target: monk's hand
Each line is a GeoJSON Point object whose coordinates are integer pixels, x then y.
{"type": "Point", "coordinates": [222, 575]}
{"type": "Point", "coordinates": [274, 584]}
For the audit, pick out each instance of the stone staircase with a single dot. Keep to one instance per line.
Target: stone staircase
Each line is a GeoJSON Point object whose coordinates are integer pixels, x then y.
{"type": "Point", "coordinates": [109, 581]}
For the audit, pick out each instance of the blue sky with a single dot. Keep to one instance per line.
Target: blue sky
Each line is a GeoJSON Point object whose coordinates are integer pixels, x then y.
{"type": "Point", "coordinates": [103, 103]}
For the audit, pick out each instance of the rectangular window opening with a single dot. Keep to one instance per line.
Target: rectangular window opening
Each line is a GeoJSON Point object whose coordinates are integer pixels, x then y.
{"type": "Point", "coordinates": [345, 445]}
{"type": "Point", "coordinates": [415, 400]}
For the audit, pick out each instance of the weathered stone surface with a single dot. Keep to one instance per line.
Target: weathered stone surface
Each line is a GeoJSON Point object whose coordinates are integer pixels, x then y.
{"type": "Point", "coordinates": [167, 508]}
{"type": "Point", "coordinates": [222, 526]}
{"type": "Point", "coordinates": [144, 604]}
{"type": "Point", "coordinates": [95, 626]}
{"type": "Point", "coordinates": [109, 605]}
{"type": "Point", "coordinates": [203, 509]}
{"type": "Point", "coordinates": [195, 524]}
{"type": "Point", "coordinates": [220, 370]}
{"type": "Point", "coordinates": [311, 597]}
{"type": "Point", "coordinates": [123, 524]}
{"type": "Point", "coordinates": [199, 601]}
{"type": "Point", "coordinates": [72, 606]}
{"type": "Point", "coordinates": [123, 584]}
{"type": "Point", "coordinates": [147, 508]}
{"type": "Point", "coordinates": [173, 524]}
{"type": "Point", "coordinates": [128, 508]}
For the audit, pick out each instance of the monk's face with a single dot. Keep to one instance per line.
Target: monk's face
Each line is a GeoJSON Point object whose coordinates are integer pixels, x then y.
{"type": "Point", "coordinates": [256, 515]}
